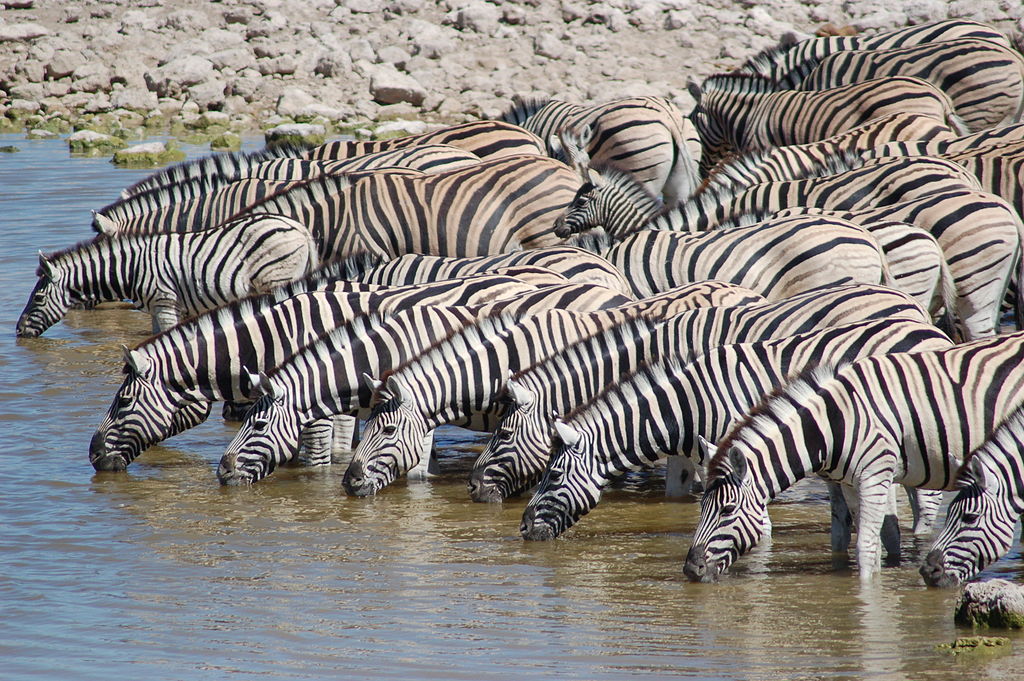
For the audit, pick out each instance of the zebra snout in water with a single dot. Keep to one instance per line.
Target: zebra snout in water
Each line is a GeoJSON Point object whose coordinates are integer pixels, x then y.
{"type": "Point", "coordinates": [696, 567]}
{"type": "Point", "coordinates": [228, 473]}
{"type": "Point", "coordinates": [933, 570]}
{"type": "Point", "coordinates": [534, 530]}
{"type": "Point", "coordinates": [480, 490]}
{"type": "Point", "coordinates": [100, 459]}
{"type": "Point", "coordinates": [356, 482]}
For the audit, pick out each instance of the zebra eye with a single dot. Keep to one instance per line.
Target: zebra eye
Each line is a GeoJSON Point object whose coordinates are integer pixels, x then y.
{"type": "Point", "coordinates": [259, 425]}
{"type": "Point", "coordinates": [504, 434]}
{"type": "Point", "coordinates": [970, 519]}
{"type": "Point", "coordinates": [555, 476]}
{"type": "Point", "coordinates": [728, 510]}
{"type": "Point", "coordinates": [389, 429]}
{"type": "Point", "coordinates": [123, 401]}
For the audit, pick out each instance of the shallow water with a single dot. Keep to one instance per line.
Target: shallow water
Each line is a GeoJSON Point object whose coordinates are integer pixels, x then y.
{"type": "Point", "coordinates": [160, 573]}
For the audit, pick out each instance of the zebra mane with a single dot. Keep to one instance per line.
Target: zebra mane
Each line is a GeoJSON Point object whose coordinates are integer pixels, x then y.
{"type": "Point", "coordinates": [157, 197]}
{"type": "Point", "coordinates": [763, 61]}
{"type": "Point", "coordinates": [318, 187]}
{"type": "Point", "coordinates": [798, 389]}
{"type": "Point", "coordinates": [732, 171]}
{"type": "Point", "coordinates": [996, 439]}
{"type": "Point", "coordinates": [593, 350]}
{"type": "Point", "coordinates": [319, 349]}
{"type": "Point", "coordinates": [56, 255]}
{"type": "Point", "coordinates": [226, 166]}
{"type": "Point", "coordinates": [769, 58]}
{"type": "Point", "coordinates": [605, 406]}
{"type": "Point", "coordinates": [522, 108]}
{"type": "Point", "coordinates": [350, 267]}
{"type": "Point", "coordinates": [439, 354]}
{"type": "Point", "coordinates": [740, 83]}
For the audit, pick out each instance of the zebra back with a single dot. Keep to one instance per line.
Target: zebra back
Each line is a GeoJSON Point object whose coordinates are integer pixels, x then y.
{"type": "Point", "coordinates": [484, 139]}
{"type": "Point", "coordinates": [984, 80]}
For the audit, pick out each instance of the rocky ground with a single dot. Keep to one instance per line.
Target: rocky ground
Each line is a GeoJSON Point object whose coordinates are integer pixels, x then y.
{"type": "Point", "coordinates": [248, 65]}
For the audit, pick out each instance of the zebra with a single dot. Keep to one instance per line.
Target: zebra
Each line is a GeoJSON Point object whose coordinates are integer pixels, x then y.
{"type": "Point", "coordinates": [984, 80]}
{"type": "Point", "coordinates": [989, 502]}
{"type": "Point", "coordinates": [485, 139]}
{"type": "Point", "coordinates": [509, 466]}
{"type": "Point", "coordinates": [202, 359]}
{"type": "Point", "coordinates": [665, 407]}
{"type": "Point", "coordinates": [783, 63]}
{"type": "Point", "coordinates": [738, 112]}
{"type": "Point", "coordinates": [171, 276]}
{"type": "Point", "coordinates": [189, 206]}
{"type": "Point", "coordinates": [458, 381]}
{"type": "Point", "coordinates": [495, 206]}
{"type": "Point", "coordinates": [904, 417]}
{"type": "Point", "coordinates": [283, 162]}
{"type": "Point", "coordinates": [646, 136]}
{"type": "Point", "coordinates": [999, 168]}
{"type": "Point", "coordinates": [978, 232]}
{"type": "Point", "coordinates": [321, 380]}
{"type": "Point", "coordinates": [777, 258]}
{"type": "Point", "coordinates": [578, 265]}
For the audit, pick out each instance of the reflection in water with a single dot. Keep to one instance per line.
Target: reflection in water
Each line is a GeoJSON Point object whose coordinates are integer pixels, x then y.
{"type": "Point", "coordinates": [161, 573]}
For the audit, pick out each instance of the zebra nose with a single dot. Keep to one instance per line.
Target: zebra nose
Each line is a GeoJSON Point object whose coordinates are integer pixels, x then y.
{"type": "Point", "coordinates": [533, 530]}
{"type": "Point", "coordinates": [98, 457]}
{"type": "Point", "coordinates": [226, 469]}
{"type": "Point", "coordinates": [480, 490]}
{"type": "Point", "coordinates": [355, 481]}
{"type": "Point", "coordinates": [933, 569]}
{"type": "Point", "coordinates": [696, 566]}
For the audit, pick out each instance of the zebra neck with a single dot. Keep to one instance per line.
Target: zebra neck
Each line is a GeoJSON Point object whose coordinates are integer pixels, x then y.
{"type": "Point", "coordinates": [106, 270]}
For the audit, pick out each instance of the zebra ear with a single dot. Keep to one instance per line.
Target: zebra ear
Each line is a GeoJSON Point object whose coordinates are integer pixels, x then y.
{"type": "Point", "coordinates": [399, 390]}
{"type": "Point", "coordinates": [45, 266]}
{"type": "Point", "coordinates": [265, 386]}
{"type": "Point", "coordinates": [706, 449]}
{"type": "Point", "coordinates": [569, 436]}
{"type": "Point", "coordinates": [693, 87]}
{"type": "Point", "coordinates": [372, 383]}
{"type": "Point", "coordinates": [979, 475]}
{"type": "Point", "coordinates": [574, 146]}
{"type": "Point", "coordinates": [104, 225]}
{"type": "Point", "coordinates": [137, 362]}
{"type": "Point", "coordinates": [738, 463]}
{"type": "Point", "coordinates": [522, 396]}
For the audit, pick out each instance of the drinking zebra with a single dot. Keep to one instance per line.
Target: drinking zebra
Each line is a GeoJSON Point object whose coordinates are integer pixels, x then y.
{"type": "Point", "coordinates": [905, 417]}
{"type": "Point", "coordinates": [171, 276]}
{"type": "Point", "coordinates": [989, 502]}
{"type": "Point", "coordinates": [665, 406]}
{"type": "Point", "coordinates": [647, 137]}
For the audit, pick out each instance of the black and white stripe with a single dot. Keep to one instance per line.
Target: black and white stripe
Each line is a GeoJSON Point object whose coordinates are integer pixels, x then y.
{"type": "Point", "coordinates": [320, 379]}
{"type": "Point", "coordinates": [171, 276]}
{"type": "Point", "coordinates": [906, 417]}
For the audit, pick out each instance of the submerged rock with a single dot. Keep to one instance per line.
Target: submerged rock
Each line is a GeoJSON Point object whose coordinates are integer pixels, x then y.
{"type": "Point", "coordinates": [93, 143]}
{"type": "Point", "coordinates": [148, 155]}
{"type": "Point", "coordinates": [997, 603]}
{"type": "Point", "coordinates": [296, 133]}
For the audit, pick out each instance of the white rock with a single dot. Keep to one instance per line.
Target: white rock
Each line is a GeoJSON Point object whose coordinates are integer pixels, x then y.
{"type": "Point", "coordinates": [135, 99]}
{"type": "Point", "coordinates": [22, 32]}
{"type": "Point", "coordinates": [294, 102]}
{"type": "Point", "coordinates": [388, 86]}
{"type": "Point", "coordinates": [479, 17]}
{"type": "Point", "coordinates": [173, 77]}
{"type": "Point", "coordinates": [404, 127]}
{"type": "Point", "coordinates": [209, 94]}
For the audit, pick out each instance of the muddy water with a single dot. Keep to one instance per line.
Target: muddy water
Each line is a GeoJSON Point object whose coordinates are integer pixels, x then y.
{"type": "Point", "coordinates": [159, 573]}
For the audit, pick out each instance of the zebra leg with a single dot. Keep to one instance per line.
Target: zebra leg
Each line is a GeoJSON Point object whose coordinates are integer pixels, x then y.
{"type": "Point", "coordinates": [842, 518]}
{"type": "Point", "coordinates": [679, 476]}
{"type": "Point", "coordinates": [428, 465]}
{"type": "Point", "coordinates": [890, 531]}
{"type": "Point", "coordinates": [874, 501]}
{"type": "Point", "coordinates": [345, 437]}
{"type": "Point", "coordinates": [924, 503]}
{"type": "Point", "coordinates": [316, 443]}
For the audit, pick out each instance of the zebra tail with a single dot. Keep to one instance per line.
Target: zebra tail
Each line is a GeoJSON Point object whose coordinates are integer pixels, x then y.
{"type": "Point", "coordinates": [947, 321]}
{"type": "Point", "coordinates": [312, 251]}
{"type": "Point", "coordinates": [958, 124]}
{"type": "Point", "coordinates": [1018, 293]}
{"type": "Point", "coordinates": [684, 177]}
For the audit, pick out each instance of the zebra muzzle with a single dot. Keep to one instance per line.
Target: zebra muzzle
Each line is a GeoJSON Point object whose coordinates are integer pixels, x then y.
{"type": "Point", "coordinates": [696, 567]}
{"type": "Point", "coordinates": [100, 459]}
{"type": "Point", "coordinates": [481, 491]}
{"type": "Point", "coordinates": [933, 570]}
{"type": "Point", "coordinates": [533, 530]}
{"type": "Point", "coordinates": [356, 482]}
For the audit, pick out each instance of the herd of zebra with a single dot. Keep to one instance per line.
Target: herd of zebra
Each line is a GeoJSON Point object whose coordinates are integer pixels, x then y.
{"type": "Point", "coordinates": [808, 274]}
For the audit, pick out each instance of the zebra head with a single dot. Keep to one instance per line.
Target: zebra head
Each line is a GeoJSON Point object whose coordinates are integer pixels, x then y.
{"type": "Point", "coordinates": [392, 440]}
{"type": "Point", "coordinates": [142, 413]}
{"type": "Point", "coordinates": [269, 435]}
{"type": "Point", "coordinates": [515, 455]}
{"type": "Point", "coordinates": [584, 212]}
{"type": "Point", "coordinates": [49, 302]}
{"type": "Point", "coordinates": [731, 519]}
{"type": "Point", "coordinates": [610, 199]}
{"type": "Point", "coordinates": [979, 528]}
{"type": "Point", "coordinates": [571, 486]}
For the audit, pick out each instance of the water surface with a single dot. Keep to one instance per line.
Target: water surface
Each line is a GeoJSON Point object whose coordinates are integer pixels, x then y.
{"type": "Point", "coordinates": [160, 573]}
